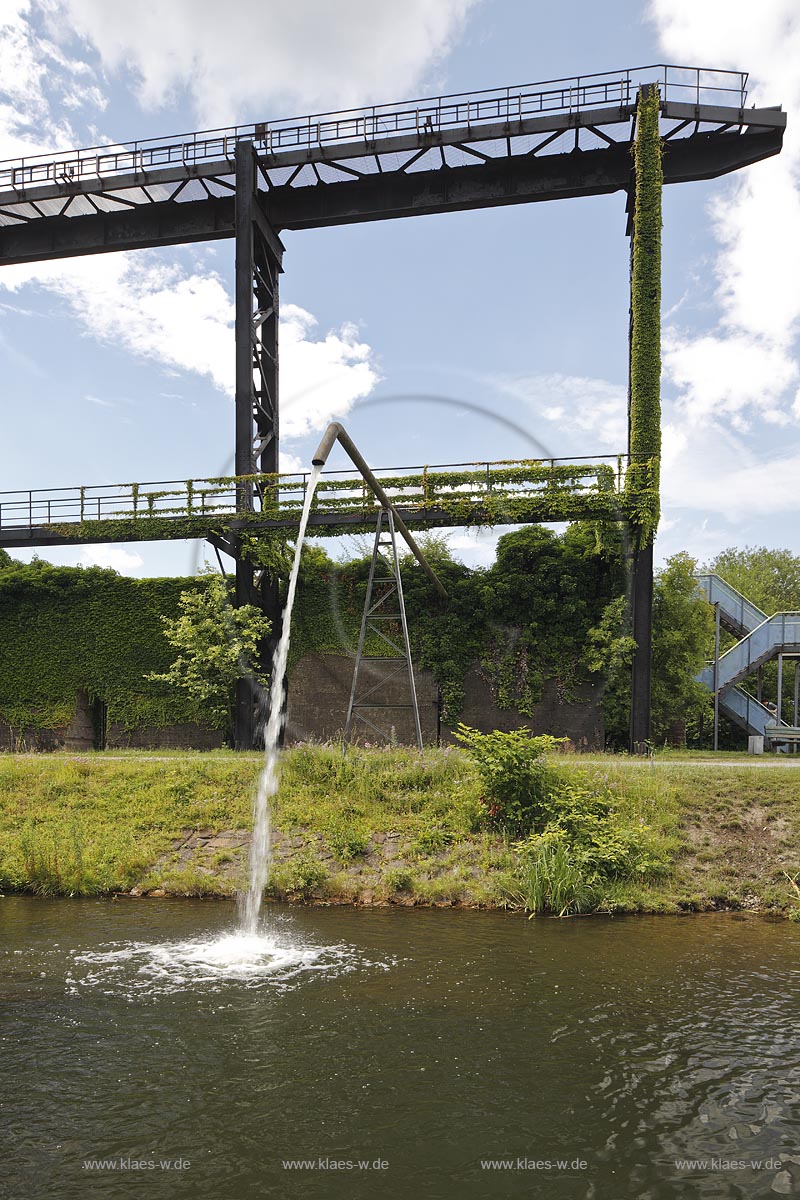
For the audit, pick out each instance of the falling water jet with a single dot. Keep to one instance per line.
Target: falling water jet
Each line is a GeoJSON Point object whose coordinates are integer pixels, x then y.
{"type": "Point", "coordinates": [250, 901]}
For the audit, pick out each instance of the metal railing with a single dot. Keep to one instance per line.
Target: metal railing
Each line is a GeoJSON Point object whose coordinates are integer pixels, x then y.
{"type": "Point", "coordinates": [425, 116]}
{"type": "Point", "coordinates": [739, 612]}
{"type": "Point", "coordinates": [282, 495]}
{"type": "Point", "coordinates": [777, 634]}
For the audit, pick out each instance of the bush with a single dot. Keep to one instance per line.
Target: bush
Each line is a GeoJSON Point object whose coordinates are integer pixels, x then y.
{"type": "Point", "coordinates": [300, 877]}
{"type": "Point", "coordinates": [602, 843]}
{"type": "Point", "coordinates": [517, 779]}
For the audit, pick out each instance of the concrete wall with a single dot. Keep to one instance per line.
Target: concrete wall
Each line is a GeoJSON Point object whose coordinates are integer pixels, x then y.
{"type": "Point", "coordinates": [188, 736]}
{"type": "Point", "coordinates": [78, 735]}
{"type": "Point", "coordinates": [81, 734]}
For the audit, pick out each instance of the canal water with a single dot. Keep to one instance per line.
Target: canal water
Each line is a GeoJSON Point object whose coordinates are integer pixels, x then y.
{"type": "Point", "coordinates": [392, 1053]}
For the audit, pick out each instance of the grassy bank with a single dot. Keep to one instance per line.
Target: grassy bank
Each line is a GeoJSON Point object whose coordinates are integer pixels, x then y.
{"type": "Point", "coordinates": [395, 826]}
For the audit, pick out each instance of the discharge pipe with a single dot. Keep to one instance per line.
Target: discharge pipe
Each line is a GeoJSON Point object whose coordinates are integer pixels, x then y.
{"type": "Point", "coordinates": [337, 433]}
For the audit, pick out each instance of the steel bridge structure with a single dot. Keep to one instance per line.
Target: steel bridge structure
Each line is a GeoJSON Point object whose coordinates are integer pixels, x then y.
{"type": "Point", "coordinates": [554, 140]}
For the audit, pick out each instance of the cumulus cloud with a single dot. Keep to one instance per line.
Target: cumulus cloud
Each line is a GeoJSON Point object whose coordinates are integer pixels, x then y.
{"type": "Point", "coordinates": [142, 303]}
{"type": "Point", "coordinates": [184, 320]}
{"type": "Point", "coordinates": [38, 80]}
{"type": "Point", "coordinates": [744, 369]}
{"type": "Point", "coordinates": [307, 55]}
{"type": "Point", "coordinates": [740, 485]}
{"type": "Point", "coordinates": [727, 376]}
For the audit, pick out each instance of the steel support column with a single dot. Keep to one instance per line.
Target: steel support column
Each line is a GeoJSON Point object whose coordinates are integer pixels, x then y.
{"type": "Point", "coordinates": [259, 254]}
{"type": "Point", "coordinates": [642, 630]}
{"type": "Point", "coordinates": [644, 400]}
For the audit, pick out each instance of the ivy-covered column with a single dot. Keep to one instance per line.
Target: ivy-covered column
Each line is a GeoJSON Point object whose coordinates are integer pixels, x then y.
{"type": "Point", "coordinates": [644, 412]}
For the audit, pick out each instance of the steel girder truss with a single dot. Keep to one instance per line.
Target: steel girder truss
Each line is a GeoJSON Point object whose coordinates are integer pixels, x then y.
{"type": "Point", "coordinates": [384, 609]}
{"type": "Point", "coordinates": [511, 145]}
{"type": "Point", "coordinates": [259, 257]}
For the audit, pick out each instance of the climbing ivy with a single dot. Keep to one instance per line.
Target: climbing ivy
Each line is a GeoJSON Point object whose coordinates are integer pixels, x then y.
{"type": "Point", "coordinates": [525, 620]}
{"type": "Point", "coordinates": [642, 482]}
{"type": "Point", "coordinates": [70, 628]}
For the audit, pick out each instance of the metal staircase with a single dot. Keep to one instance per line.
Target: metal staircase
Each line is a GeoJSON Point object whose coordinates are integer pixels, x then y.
{"type": "Point", "coordinates": [761, 639]}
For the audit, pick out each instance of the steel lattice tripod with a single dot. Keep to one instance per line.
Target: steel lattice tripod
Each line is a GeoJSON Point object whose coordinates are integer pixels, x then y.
{"type": "Point", "coordinates": [383, 606]}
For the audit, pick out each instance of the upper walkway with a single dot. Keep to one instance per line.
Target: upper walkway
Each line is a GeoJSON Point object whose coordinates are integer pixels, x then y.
{"type": "Point", "coordinates": [543, 141]}
{"type": "Point", "coordinates": [461, 494]}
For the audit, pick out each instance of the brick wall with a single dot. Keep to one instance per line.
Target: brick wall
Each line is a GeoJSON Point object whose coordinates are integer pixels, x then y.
{"type": "Point", "coordinates": [578, 717]}
{"type": "Point", "coordinates": [188, 736]}
{"type": "Point", "coordinates": [319, 690]}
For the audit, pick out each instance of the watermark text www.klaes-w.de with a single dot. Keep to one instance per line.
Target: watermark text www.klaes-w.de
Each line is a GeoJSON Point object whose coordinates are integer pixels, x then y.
{"type": "Point", "coordinates": [728, 1164]}
{"type": "Point", "coordinates": [136, 1164]}
{"type": "Point", "coordinates": [534, 1164]}
{"type": "Point", "coordinates": [335, 1164]}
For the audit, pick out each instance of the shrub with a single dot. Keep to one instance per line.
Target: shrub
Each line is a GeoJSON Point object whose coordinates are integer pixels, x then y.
{"type": "Point", "coordinates": [399, 879]}
{"type": "Point", "coordinates": [602, 842]}
{"type": "Point", "coordinates": [299, 878]}
{"type": "Point", "coordinates": [517, 780]}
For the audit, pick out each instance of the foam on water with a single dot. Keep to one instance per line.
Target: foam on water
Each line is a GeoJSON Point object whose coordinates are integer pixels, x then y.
{"type": "Point", "coordinates": [252, 960]}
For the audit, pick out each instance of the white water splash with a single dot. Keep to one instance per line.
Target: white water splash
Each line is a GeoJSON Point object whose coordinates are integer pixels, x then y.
{"type": "Point", "coordinates": [250, 902]}
{"type": "Point", "coordinates": [212, 964]}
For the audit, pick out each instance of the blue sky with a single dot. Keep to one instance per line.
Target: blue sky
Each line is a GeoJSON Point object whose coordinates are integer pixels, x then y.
{"type": "Point", "coordinates": [119, 367]}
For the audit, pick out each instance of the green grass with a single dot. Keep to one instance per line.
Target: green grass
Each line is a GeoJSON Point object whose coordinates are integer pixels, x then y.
{"type": "Point", "coordinates": [391, 826]}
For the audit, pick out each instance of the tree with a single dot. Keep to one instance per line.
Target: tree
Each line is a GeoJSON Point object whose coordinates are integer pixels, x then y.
{"type": "Point", "coordinates": [769, 578]}
{"type": "Point", "coordinates": [683, 634]}
{"type": "Point", "coordinates": [543, 595]}
{"type": "Point", "coordinates": [216, 644]}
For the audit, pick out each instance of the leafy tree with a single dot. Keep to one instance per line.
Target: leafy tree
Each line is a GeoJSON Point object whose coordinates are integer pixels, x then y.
{"type": "Point", "coordinates": [447, 636]}
{"type": "Point", "coordinates": [216, 645]}
{"type": "Point", "coordinates": [609, 651]}
{"type": "Point", "coordinates": [543, 595]}
{"type": "Point", "coordinates": [683, 634]}
{"type": "Point", "coordinates": [5, 559]}
{"type": "Point", "coordinates": [769, 578]}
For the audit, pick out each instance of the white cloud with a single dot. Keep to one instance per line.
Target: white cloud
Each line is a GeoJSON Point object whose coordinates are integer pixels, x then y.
{"type": "Point", "coordinates": [727, 376]}
{"type": "Point", "coordinates": [240, 63]}
{"type": "Point", "coordinates": [744, 369]}
{"type": "Point", "coordinates": [116, 557]}
{"type": "Point", "coordinates": [723, 476]}
{"type": "Point", "coordinates": [320, 378]}
{"type": "Point", "coordinates": [36, 79]}
{"type": "Point", "coordinates": [577, 405]}
{"type": "Point", "coordinates": [184, 321]}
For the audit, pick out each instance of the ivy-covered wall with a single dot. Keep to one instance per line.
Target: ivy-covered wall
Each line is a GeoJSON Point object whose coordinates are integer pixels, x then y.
{"type": "Point", "coordinates": [64, 629]}
{"type": "Point", "coordinates": [526, 619]}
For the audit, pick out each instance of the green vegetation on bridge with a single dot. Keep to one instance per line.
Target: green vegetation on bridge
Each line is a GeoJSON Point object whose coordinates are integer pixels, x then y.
{"type": "Point", "coordinates": [474, 494]}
